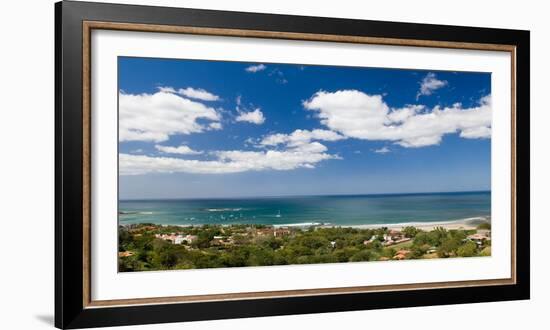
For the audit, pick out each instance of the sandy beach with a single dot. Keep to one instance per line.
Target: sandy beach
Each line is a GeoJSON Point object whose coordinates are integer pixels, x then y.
{"type": "Point", "coordinates": [466, 224]}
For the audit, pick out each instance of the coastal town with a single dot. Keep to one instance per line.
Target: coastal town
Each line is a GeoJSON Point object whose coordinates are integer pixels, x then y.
{"type": "Point", "coordinates": [151, 247]}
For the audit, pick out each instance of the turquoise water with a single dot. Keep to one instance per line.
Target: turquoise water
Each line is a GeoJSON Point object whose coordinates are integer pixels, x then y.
{"type": "Point", "coordinates": [302, 210]}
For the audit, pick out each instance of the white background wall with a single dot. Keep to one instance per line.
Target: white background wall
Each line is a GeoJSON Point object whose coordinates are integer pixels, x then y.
{"type": "Point", "coordinates": [27, 169]}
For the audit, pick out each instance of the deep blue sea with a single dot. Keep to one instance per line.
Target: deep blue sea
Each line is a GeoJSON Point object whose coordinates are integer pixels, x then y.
{"type": "Point", "coordinates": [303, 210]}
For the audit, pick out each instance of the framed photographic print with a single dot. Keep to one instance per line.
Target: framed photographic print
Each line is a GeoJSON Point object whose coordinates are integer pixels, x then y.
{"type": "Point", "coordinates": [218, 164]}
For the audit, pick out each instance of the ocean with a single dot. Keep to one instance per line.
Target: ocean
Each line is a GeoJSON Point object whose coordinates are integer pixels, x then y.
{"type": "Point", "coordinates": [340, 210]}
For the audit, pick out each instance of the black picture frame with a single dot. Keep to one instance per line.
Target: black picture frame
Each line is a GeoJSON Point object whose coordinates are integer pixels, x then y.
{"type": "Point", "coordinates": [70, 309]}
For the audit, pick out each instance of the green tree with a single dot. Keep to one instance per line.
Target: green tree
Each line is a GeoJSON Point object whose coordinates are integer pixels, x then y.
{"type": "Point", "coordinates": [486, 252]}
{"type": "Point", "coordinates": [448, 247]}
{"type": "Point", "coordinates": [388, 252]}
{"type": "Point", "coordinates": [418, 251]}
{"type": "Point", "coordinates": [364, 255]}
{"type": "Point", "coordinates": [314, 242]}
{"type": "Point", "coordinates": [484, 225]}
{"type": "Point", "coordinates": [343, 255]}
{"type": "Point", "coordinates": [410, 231]}
{"type": "Point", "coordinates": [165, 259]}
{"type": "Point", "coordinates": [468, 249]}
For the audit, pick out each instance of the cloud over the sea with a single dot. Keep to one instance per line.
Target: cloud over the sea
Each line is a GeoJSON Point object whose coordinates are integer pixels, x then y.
{"type": "Point", "coordinates": [254, 117]}
{"type": "Point", "coordinates": [156, 117]}
{"type": "Point", "coordinates": [299, 137]}
{"type": "Point", "coordinates": [180, 150]}
{"type": "Point", "coordinates": [232, 161]}
{"type": "Point", "coordinates": [199, 94]}
{"type": "Point", "coordinates": [383, 150]}
{"type": "Point", "coordinates": [355, 114]}
{"type": "Point", "coordinates": [255, 68]}
{"type": "Point", "coordinates": [429, 84]}
{"type": "Point", "coordinates": [341, 115]}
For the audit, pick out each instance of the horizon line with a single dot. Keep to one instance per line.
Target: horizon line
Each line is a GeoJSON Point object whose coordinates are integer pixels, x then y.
{"type": "Point", "coordinates": [312, 195]}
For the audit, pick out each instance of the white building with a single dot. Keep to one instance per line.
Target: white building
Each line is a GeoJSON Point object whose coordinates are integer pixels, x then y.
{"type": "Point", "coordinates": [179, 239]}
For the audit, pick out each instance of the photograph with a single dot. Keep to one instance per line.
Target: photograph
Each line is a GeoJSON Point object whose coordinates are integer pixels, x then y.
{"type": "Point", "coordinates": [237, 164]}
{"type": "Point", "coordinates": [218, 164]}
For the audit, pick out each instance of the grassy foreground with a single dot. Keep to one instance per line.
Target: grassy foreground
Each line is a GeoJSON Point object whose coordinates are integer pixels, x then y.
{"type": "Point", "coordinates": [145, 247]}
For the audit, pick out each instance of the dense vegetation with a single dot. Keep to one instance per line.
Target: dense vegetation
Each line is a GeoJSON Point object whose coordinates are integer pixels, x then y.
{"type": "Point", "coordinates": [142, 248]}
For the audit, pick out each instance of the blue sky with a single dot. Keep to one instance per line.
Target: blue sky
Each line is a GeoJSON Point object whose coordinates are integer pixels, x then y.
{"type": "Point", "coordinates": [199, 129]}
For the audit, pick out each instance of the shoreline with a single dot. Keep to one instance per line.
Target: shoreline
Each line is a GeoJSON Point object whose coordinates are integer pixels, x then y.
{"type": "Point", "coordinates": [465, 224]}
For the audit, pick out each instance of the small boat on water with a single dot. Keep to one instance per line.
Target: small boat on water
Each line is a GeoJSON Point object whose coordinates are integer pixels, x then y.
{"type": "Point", "coordinates": [278, 214]}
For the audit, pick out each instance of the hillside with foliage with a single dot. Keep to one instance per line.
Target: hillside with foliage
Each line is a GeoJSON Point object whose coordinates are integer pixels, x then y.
{"type": "Point", "coordinates": [142, 248]}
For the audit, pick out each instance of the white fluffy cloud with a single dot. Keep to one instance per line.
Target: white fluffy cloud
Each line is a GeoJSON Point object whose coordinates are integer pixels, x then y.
{"type": "Point", "coordinates": [215, 126]}
{"type": "Point", "coordinates": [199, 94]}
{"type": "Point", "coordinates": [383, 150]}
{"type": "Point", "coordinates": [402, 114]}
{"type": "Point", "coordinates": [476, 132]}
{"type": "Point", "coordinates": [255, 68]}
{"type": "Point", "coordinates": [254, 117]}
{"type": "Point", "coordinates": [234, 161]}
{"type": "Point", "coordinates": [166, 89]}
{"type": "Point", "coordinates": [181, 150]}
{"type": "Point", "coordinates": [155, 117]}
{"type": "Point", "coordinates": [358, 115]}
{"type": "Point", "coordinates": [190, 92]}
{"type": "Point", "coordinates": [300, 137]}
{"type": "Point", "coordinates": [429, 84]}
